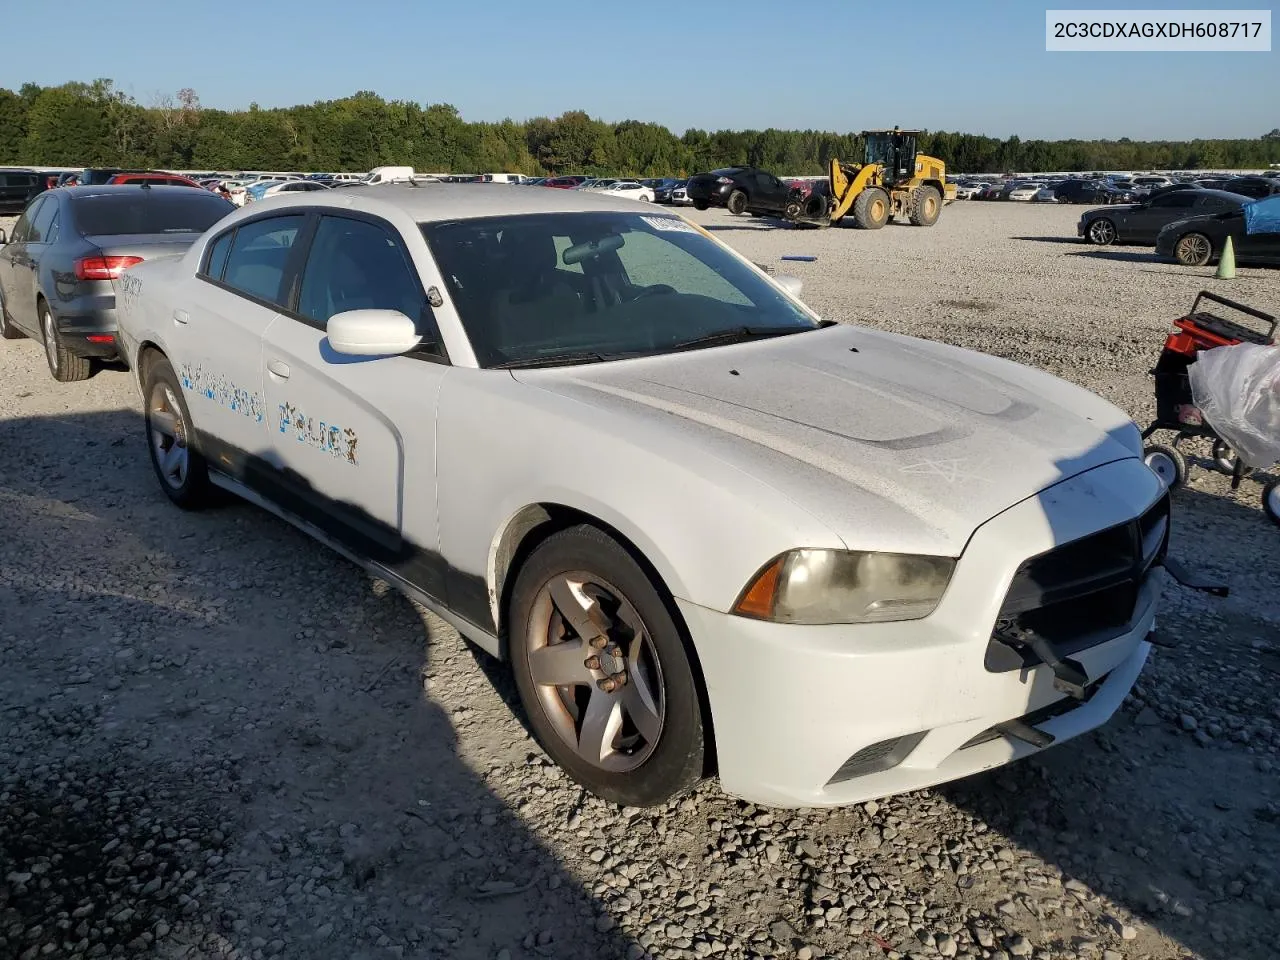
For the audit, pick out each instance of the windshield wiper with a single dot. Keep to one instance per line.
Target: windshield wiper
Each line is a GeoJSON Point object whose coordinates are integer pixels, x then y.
{"type": "Point", "coordinates": [736, 335]}
{"type": "Point", "coordinates": [553, 360]}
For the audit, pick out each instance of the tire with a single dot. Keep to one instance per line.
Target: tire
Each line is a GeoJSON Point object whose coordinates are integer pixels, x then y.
{"type": "Point", "coordinates": [737, 203]}
{"type": "Point", "coordinates": [185, 478]}
{"type": "Point", "coordinates": [871, 208]}
{"type": "Point", "coordinates": [7, 330]}
{"type": "Point", "coordinates": [1167, 463]}
{"type": "Point", "coordinates": [1193, 250]}
{"type": "Point", "coordinates": [644, 199]}
{"type": "Point", "coordinates": [1271, 501]}
{"type": "Point", "coordinates": [700, 204]}
{"type": "Point", "coordinates": [64, 366]}
{"type": "Point", "coordinates": [1101, 232]}
{"type": "Point", "coordinates": [926, 206]}
{"type": "Point", "coordinates": [1224, 458]}
{"type": "Point", "coordinates": [642, 767]}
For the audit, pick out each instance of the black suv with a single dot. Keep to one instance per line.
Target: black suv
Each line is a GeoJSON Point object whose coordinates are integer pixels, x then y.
{"type": "Point", "coordinates": [739, 190]}
{"type": "Point", "coordinates": [17, 187]}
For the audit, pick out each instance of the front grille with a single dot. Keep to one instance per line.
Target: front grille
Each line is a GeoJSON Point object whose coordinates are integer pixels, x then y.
{"type": "Point", "coordinates": [1080, 594]}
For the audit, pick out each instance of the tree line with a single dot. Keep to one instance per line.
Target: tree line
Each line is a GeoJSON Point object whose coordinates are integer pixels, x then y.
{"type": "Point", "coordinates": [96, 124]}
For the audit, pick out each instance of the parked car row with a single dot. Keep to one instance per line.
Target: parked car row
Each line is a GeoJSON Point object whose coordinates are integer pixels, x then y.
{"type": "Point", "coordinates": [1185, 223]}
{"type": "Point", "coordinates": [1095, 190]}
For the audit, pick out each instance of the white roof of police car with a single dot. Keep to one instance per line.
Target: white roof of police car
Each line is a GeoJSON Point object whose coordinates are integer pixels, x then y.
{"type": "Point", "coordinates": [455, 201]}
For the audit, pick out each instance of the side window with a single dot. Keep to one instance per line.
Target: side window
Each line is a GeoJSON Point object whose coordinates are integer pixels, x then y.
{"type": "Point", "coordinates": [358, 265]}
{"type": "Point", "coordinates": [23, 226]}
{"type": "Point", "coordinates": [216, 256]}
{"type": "Point", "coordinates": [41, 222]}
{"type": "Point", "coordinates": [258, 255]}
{"type": "Point", "coordinates": [51, 235]}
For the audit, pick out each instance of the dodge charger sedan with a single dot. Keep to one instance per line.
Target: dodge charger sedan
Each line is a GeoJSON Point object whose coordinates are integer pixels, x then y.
{"type": "Point", "coordinates": [1141, 222]}
{"type": "Point", "coordinates": [710, 532]}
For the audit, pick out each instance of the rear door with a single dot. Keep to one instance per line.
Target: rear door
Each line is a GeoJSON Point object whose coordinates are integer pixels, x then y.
{"type": "Point", "coordinates": [13, 268]}
{"type": "Point", "coordinates": [216, 333]}
{"type": "Point", "coordinates": [20, 294]}
{"type": "Point", "coordinates": [353, 438]}
{"type": "Point", "coordinates": [1163, 210]}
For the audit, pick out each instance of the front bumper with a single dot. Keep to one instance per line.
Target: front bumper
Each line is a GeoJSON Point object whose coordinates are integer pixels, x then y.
{"type": "Point", "coordinates": [791, 704]}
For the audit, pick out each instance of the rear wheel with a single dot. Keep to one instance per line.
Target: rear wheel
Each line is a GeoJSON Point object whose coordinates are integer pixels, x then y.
{"type": "Point", "coordinates": [182, 472]}
{"type": "Point", "coordinates": [602, 670]}
{"type": "Point", "coordinates": [1167, 463]}
{"type": "Point", "coordinates": [871, 208]}
{"type": "Point", "coordinates": [64, 365]}
{"type": "Point", "coordinates": [737, 202]}
{"type": "Point", "coordinates": [1102, 232]}
{"type": "Point", "coordinates": [1193, 250]}
{"type": "Point", "coordinates": [700, 204]}
{"type": "Point", "coordinates": [926, 204]}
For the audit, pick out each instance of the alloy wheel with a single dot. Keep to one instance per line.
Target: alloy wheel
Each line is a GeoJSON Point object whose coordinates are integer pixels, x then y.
{"type": "Point", "coordinates": [596, 671]}
{"type": "Point", "coordinates": [168, 436]}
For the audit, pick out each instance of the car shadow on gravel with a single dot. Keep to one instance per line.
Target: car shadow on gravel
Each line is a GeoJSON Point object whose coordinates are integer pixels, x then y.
{"type": "Point", "coordinates": [1124, 256]}
{"type": "Point", "coordinates": [216, 736]}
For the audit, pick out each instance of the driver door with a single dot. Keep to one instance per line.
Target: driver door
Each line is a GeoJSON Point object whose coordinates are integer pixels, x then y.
{"type": "Point", "coordinates": [354, 437]}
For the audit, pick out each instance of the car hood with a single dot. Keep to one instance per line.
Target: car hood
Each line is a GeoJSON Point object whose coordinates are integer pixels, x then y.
{"type": "Point", "coordinates": [894, 443]}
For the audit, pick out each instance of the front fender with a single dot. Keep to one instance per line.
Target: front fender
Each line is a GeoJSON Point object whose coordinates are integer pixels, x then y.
{"type": "Point", "coordinates": [705, 526]}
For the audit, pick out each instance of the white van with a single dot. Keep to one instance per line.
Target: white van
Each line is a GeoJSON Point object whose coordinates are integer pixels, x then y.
{"type": "Point", "coordinates": [389, 175]}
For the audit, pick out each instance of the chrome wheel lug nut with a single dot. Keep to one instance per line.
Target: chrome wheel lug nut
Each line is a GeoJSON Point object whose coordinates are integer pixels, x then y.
{"type": "Point", "coordinates": [609, 685]}
{"type": "Point", "coordinates": [599, 643]}
{"type": "Point", "coordinates": [592, 663]}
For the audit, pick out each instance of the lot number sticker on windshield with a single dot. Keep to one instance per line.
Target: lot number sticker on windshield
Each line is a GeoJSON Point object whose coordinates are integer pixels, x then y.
{"type": "Point", "coordinates": [669, 224]}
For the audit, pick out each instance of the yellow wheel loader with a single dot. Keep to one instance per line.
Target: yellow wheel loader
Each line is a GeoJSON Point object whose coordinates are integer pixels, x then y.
{"type": "Point", "coordinates": [892, 181]}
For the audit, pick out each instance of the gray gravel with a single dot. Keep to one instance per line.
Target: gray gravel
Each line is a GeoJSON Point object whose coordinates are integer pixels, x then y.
{"type": "Point", "coordinates": [219, 740]}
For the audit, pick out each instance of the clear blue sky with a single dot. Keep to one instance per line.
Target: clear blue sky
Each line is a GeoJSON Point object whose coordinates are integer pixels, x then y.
{"type": "Point", "coordinates": [842, 65]}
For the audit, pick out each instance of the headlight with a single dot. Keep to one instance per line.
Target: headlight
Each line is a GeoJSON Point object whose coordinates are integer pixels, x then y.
{"type": "Point", "coordinates": [842, 586]}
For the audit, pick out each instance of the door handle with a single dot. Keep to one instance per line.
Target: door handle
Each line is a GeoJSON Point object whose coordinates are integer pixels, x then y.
{"type": "Point", "coordinates": [181, 316]}
{"type": "Point", "coordinates": [278, 368]}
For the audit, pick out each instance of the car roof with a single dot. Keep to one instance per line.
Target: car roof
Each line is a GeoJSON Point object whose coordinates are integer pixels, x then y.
{"type": "Point", "coordinates": [129, 189]}
{"type": "Point", "coordinates": [436, 202]}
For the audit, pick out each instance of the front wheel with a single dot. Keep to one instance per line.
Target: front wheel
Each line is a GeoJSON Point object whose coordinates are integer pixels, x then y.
{"type": "Point", "coordinates": [1193, 250]}
{"type": "Point", "coordinates": [1167, 463]}
{"type": "Point", "coordinates": [181, 470]}
{"type": "Point", "coordinates": [603, 672]}
{"type": "Point", "coordinates": [1102, 232]}
{"type": "Point", "coordinates": [700, 204]}
{"type": "Point", "coordinates": [7, 330]}
{"type": "Point", "coordinates": [871, 208]}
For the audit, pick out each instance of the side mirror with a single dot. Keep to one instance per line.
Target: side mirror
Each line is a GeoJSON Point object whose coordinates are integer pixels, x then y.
{"type": "Point", "coordinates": [3, 238]}
{"type": "Point", "coordinates": [371, 333]}
{"type": "Point", "coordinates": [793, 285]}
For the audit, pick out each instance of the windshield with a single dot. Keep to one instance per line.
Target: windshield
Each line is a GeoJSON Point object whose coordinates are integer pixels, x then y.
{"type": "Point", "coordinates": [164, 210]}
{"type": "Point", "coordinates": [605, 285]}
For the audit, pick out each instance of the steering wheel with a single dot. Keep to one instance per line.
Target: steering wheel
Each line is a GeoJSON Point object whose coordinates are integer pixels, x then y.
{"type": "Point", "coordinates": [653, 291]}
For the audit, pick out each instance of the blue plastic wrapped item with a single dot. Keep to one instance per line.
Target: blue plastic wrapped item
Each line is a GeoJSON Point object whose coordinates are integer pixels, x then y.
{"type": "Point", "coordinates": [1263, 216]}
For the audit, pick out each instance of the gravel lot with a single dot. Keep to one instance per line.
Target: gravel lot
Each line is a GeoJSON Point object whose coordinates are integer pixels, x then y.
{"type": "Point", "coordinates": [218, 739]}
